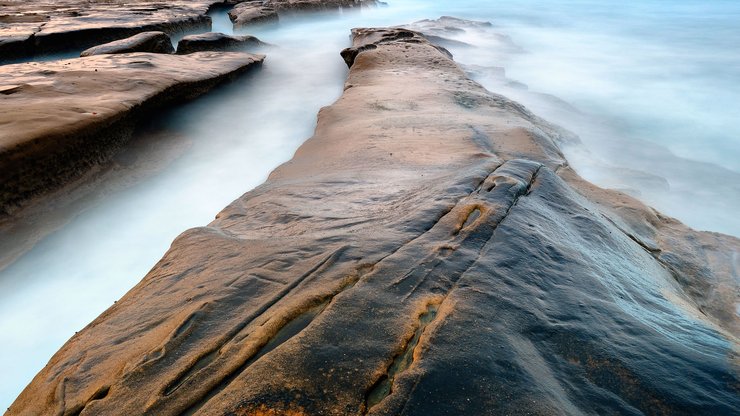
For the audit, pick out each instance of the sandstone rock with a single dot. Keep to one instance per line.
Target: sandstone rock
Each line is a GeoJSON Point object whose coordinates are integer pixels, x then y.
{"type": "Point", "coordinates": [249, 13]}
{"type": "Point", "coordinates": [216, 42]}
{"type": "Point", "coordinates": [154, 42]}
{"type": "Point", "coordinates": [30, 28]}
{"type": "Point", "coordinates": [64, 117]}
{"type": "Point", "coordinates": [427, 252]}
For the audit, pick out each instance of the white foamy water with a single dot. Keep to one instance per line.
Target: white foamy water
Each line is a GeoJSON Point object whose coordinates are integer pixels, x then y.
{"type": "Point", "coordinates": [655, 100]}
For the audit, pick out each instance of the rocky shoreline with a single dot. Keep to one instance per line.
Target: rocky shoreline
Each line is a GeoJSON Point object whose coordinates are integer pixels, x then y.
{"type": "Point", "coordinates": [29, 29]}
{"type": "Point", "coordinates": [427, 251]}
{"type": "Point", "coordinates": [37, 28]}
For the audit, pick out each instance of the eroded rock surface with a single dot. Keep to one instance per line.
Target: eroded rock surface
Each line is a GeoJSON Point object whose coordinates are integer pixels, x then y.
{"type": "Point", "coordinates": [252, 12]}
{"type": "Point", "coordinates": [260, 12]}
{"type": "Point", "coordinates": [30, 28]}
{"type": "Point", "coordinates": [213, 41]}
{"type": "Point", "coordinates": [427, 252]}
{"type": "Point", "coordinates": [154, 42]}
{"type": "Point", "coordinates": [57, 119]}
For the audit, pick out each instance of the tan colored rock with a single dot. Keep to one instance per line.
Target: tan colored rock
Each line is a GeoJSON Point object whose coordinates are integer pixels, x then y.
{"type": "Point", "coordinates": [30, 28]}
{"type": "Point", "coordinates": [427, 252]}
{"type": "Point", "coordinates": [302, 5]}
{"type": "Point", "coordinates": [154, 42]}
{"type": "Point", "coordinates": [60, 118]}
{"type": "Point", "coordinates": [251, 13]}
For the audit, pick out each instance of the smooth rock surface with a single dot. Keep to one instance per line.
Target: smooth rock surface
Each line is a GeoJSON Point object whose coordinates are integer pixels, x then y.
{"type": "Point", "coordinates": [213, 41]}
{"type": "Point", "coordinates": [29, 28]}
{"type": "Point", "coordinates": [427, 252]}
{"type": "Point", "coordinates": [154, 42]}
{"type": "Point", "coordinates": [60, 118]}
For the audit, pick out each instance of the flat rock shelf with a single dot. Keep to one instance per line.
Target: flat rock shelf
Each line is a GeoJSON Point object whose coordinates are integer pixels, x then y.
{"type": "Point", "coordinates": [29, 28]}
{"type": "Point", "coordinates": [427, 252]}
{"type": "Point", "coordinates": [61, 118]}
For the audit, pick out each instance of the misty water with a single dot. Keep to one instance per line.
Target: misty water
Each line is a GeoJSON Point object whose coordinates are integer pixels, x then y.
{"type": "Point", "coordinates": [651, 89]}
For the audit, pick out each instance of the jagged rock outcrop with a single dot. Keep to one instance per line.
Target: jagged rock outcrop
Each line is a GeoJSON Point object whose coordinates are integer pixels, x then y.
{"type": "Point", "coordinates": [213, 41]}
{"type": "Point", "coordinates": [58, 119]}
{"type": "Point", "coordinates": [154, 42]}
{"type": "Point", "coordinates": [427, 252]}
{"type": "Point", "coordinates": [29, 28]}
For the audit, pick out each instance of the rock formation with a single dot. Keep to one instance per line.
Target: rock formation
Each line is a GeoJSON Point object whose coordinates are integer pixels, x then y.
{"type": "Point", "coordinates": [154, 42]}
{"type": "Point", "coordinates": [252, 12]}
{"type": "Point", "coordinates": [427, 252]}
{"type": "Point", "coordinates": [29, 28]}
{"type": "Point", "coordinates": [259, 12]}
{"type": "Point", "coordinates": [216, 42]}
{"type": "Point", "coordinates": [60, 118]}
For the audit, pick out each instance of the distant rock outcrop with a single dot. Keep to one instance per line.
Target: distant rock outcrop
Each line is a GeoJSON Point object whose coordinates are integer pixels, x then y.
{"type": "Point", "coordinates": [213, 41]}
{"type": "Point", "coordinates": [428, 251]}
{"type": "Point", "coordinates": [154, 42]}
{"type": "Point", "coordinates": [254, 12]}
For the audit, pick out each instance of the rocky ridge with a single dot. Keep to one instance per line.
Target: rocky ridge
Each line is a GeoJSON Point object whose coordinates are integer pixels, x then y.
{"type": "Point", "coordinates": [427, 251]}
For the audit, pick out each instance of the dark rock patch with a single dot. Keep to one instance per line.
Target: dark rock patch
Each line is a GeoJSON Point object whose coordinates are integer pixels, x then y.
{"type": "Point", "coordinates": [213, 41]}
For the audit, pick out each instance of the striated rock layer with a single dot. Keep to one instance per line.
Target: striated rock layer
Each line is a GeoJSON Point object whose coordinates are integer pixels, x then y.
{"type": "Point", "coordinates": [427, 252]}
{"type": "Point", "coordinates": [59, 118]}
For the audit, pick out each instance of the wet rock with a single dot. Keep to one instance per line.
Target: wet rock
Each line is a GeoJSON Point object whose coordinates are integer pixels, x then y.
{"type": "Point", "coordinates": [29, 28]}
{"type": "Point", "coordinates": [62, 118]}
{"type": "Point", "coordinates": [427, 252]}
{"type": "Point", "coordinates": [216, 42]}
{"type": "Point", "coordinates": [250, 13]}
{"type": "Point", "coordinates": [154, 42]}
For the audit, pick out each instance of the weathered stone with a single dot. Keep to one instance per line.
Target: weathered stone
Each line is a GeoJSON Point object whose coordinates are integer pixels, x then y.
{"type": "Point", "coordinates": [250, 13]}
{"type": "Point", "coordinates": [260, 12]}
{"type": "Point", "coordinates": [216, 42]}
{"type": "Point", "coordinates": [154, 42]}
{"type": "Point", "coordinates": [29, 28]}
{"type": "Point", "coordinates": [63, 117]}
{"type": "Point", "coordinates": [427, 252]}
{"type": "Point", "coordinates": [303, 5]}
